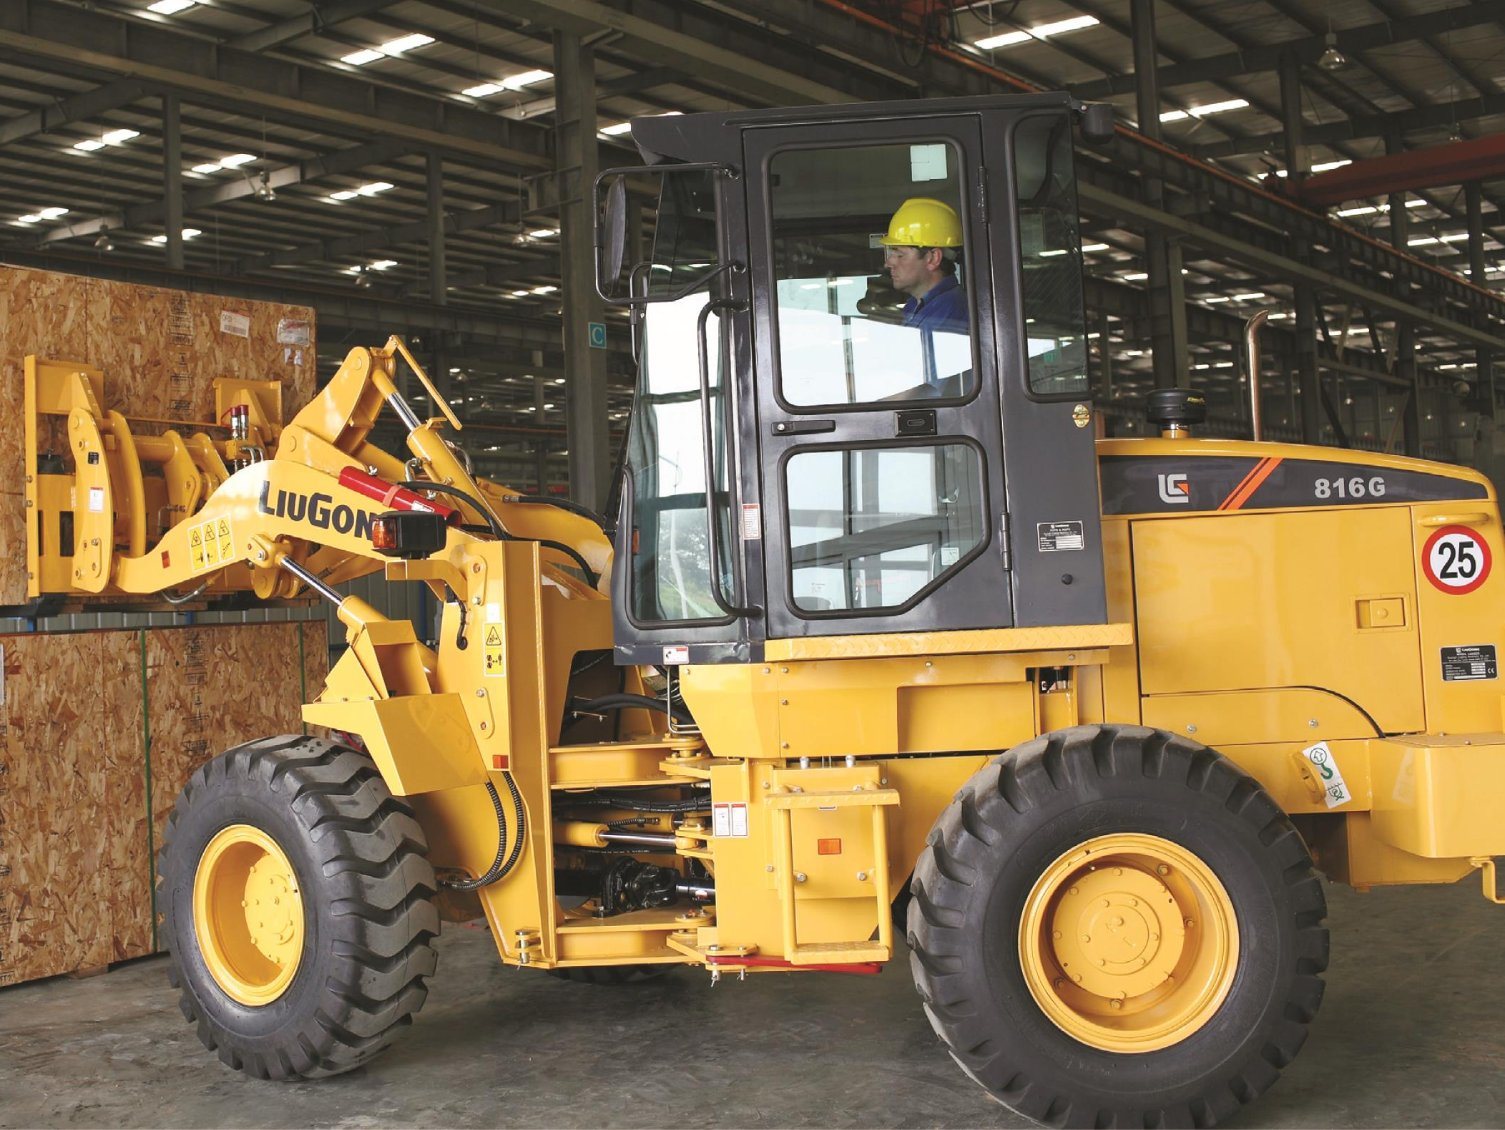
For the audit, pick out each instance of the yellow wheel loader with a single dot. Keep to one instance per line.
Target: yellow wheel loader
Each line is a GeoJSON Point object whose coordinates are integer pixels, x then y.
{"type": "Point", "coordinates": [879, 632]}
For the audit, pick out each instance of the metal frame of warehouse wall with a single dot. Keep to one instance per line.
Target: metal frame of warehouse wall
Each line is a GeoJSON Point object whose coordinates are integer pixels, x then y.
{"type": "Point", "coordinates": [1178, 204]}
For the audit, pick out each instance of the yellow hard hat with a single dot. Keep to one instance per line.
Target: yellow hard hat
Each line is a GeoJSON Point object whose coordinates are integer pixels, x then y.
{"type": "Point", "coordinates": [923, 222]}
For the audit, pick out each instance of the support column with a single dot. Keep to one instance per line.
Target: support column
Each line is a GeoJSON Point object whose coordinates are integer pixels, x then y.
{"type": "Point", "coordinates": [172, 179]}
{"type": "Point", "coordinates": [1167, 291]}
{"type": "Point", "coordinates": [540, 442]}
{"type": "Point", "coordinates": [439, 283]}
{"type": "Point", "coordinates": [1297, 161]}
{"type": "Point", "coordinates": [577, 158]}
{"type": "Point", "coordinates": [1306, 377]}
{"type": "Point", "coordinates": [1484, 377]}
{"type": "Point", "coordinates": [1405, 336]}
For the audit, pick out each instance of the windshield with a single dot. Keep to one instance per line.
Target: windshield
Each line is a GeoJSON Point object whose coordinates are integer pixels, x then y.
{"type": "Point", "coordinates": [670, 575]}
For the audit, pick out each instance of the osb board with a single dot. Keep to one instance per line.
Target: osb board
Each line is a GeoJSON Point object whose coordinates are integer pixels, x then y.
{"type": "Point", "coordinates": [129, 859]}
{"type": "Point", "coordinates": [12, 535]}
{"type": "Point", "coordinates": [73, 873]}
{"type": "Point", "coordinates": [213, 687]}
{"type": "Point", "coordinates": [160, 351]}
{"type": "Point", "coordinates": [315, 657]}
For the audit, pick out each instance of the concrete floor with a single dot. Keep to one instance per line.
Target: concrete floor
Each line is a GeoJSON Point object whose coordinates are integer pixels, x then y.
{"type": "Point", "coordinates": [1411, 1034]}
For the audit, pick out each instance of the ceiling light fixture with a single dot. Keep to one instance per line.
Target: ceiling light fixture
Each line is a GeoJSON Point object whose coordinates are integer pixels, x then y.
{"type": "Point", "coordinates": [170, 7]}
{"type": "Point", "coordinates": [104, 242]}
{"type": "Point", "coordinates": [264, 190]}
{"type": "Point", "coordinates": [1331, 58]}
{"type": "Point", "coordinates": [362, 278]}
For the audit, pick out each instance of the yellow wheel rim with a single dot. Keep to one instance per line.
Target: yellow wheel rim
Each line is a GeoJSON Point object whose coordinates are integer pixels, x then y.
{"type": "Point", "coordinates": [248, 915]}
{"type": "Point", "coordinates": [1129, 943]}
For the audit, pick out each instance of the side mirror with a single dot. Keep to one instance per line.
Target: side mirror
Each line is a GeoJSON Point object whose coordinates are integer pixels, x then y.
{"type": "Point", "coordinates": [611, 236]}
{"type": "Point", "coordinates": [1097, 123]}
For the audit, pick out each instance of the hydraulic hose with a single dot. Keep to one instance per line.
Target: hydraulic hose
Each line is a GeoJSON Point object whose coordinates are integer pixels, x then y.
{"type": "Point", "coordinates": [562, 504]}
{"type": "Point", "coordinates": [592, 578]}
{"type": "Point", "coordinates": [625, 701]}
{"type": "Point", "coordinates": [498, 869]}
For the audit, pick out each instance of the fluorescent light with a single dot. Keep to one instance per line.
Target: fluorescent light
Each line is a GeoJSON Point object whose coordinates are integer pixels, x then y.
{"type": "Point", "coordinates": [1094, 247]}
{"type": "Point", "coordinates": [1455, 237]}
{"type": "Point", "coordinates": [483, 89]}
{"type": "Point", "coordinates": [52, 213]}
{"type": "Point", "coordinates": [120, 136]}
{"type": "Point", "coordinates": [32, 219]}
{"type": "Point", "coordinates": [543, 233]}
{"type": "Point", "coordinates": [405, 43]}
{"type": "Point", "coordinates": [374, 187]}
{"type": "Point", "coordinates": [1365, 210]}
{"type": "Point", "coordinates": [527, 78]}
{"type": "Point", "coordinates": [188, 233]}
{"type": "Point", "coordinates": [1134, 278]}
{"type": "Point", "coordinates": [362, 57]}
{"type": "Point", "coordinates": [382, 265]}
{"type": "Point", "coordinates": [1040, 31]}
{"type": "Point", "coordinates": [544, 289]}
{"type": "Point", "coordinates": [88, 145]}
{"type": "Point", "coordinates": [1422, 241]}
{"type": "Point", "coordinates": [207, 167]}
{"type": "Point", "coordinates": [170, 7]}
{"type": "Point", "coordinates": [236, 160]}
{"type": "Point", "coordinates": [1250, 297]}
{"type": "Point", "coordinates": [1211, 298]}
{"type": "Point", "coordinates": [1007, 39]}
{"type": "Point", "coordinates": [519, 294]}
{"type": "Point", "coordinates": [1054, 251]}
{"type": "Point", "coordinates": [616, 130]}
{"type": "Point", "coordinates": [1203, 111]}
{"type": "Point", "coordinates": [1324, 167]}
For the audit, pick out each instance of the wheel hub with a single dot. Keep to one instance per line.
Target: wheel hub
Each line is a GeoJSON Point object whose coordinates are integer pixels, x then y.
{"type": "Point", "coordinates": [1128, 942]}
{"type": "Point", "coordinates": [1118, 928]}
{"type": "Point", "coordinates": [248, 914]}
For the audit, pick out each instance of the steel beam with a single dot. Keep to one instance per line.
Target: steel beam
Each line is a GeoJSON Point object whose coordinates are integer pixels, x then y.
{"type": "Point", "coordinates": [143, 215]}
{"type": "Point", "coordinates": [1308, 49]}
{"type": "Point", "coordinates": [172, 180]}
{"type": "Point", "coordinates": [1248, 253]}
{"type": "Point", "coordinates": [208, 72]}
{"type": "Point", "coordinates": [585, 364]}
{"type": "Point", "coordinates": [678, 36]}
{"type": "Point", "coordinates": [78, 108]}
{"type": "Point", "coordinates": [319, 19]}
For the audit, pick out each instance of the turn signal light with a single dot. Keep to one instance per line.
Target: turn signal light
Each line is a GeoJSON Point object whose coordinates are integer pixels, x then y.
{"type": "Point", "coordinates": [408, 534]}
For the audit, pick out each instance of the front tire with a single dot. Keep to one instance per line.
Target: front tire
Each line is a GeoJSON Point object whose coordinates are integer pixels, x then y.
{"type": "Point", "coordinates": [1113, 926]}
{"type": "Point", "coordinates": [297, 910]}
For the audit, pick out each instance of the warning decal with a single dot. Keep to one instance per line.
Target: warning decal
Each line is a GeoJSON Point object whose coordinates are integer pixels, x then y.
{"type": "Point", "coordinates": [493, 652]}
{"type": "Point", "coordinates": [1456, 560]}
{"type": "Point", "coordinates": [1471, 663]}
{"type": "Point", "coordinates": [1335, 789]}
{"type": "Point", "coordinates": [729, 821]}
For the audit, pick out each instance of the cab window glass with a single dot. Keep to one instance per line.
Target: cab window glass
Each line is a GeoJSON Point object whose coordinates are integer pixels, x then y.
{"type": "Point", "coordinates": [675, 494]}
{"type": "Point", "coordinates": [868, 253]}
{"type": "Point", "coordinates": [1050, 257]}
{"type": "Point", "coordinates": [872, 527]}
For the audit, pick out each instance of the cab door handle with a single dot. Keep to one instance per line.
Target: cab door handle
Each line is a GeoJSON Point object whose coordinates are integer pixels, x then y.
{"type": "Point", "coordinates": [803, 427]}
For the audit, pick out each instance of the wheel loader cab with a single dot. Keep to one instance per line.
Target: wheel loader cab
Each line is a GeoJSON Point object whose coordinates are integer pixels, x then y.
{"type": "Point", "coordinates": [811, 454]}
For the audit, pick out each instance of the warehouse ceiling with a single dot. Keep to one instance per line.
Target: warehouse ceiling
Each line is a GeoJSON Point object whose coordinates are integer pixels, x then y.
{"type": "Point", "coordinates": [308, 130]}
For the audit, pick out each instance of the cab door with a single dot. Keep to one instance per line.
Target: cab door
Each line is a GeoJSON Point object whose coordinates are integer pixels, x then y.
{"type": "Point", "coordinates": [879, 439]}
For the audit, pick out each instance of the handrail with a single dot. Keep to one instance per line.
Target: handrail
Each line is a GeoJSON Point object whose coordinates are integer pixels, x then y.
{"type": "Point", "coordinates": [712, 530]}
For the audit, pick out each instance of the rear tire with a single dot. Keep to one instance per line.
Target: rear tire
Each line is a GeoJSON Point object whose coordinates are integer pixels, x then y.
{"type": "Point", "coordinates": [323, 980]}
{"type": "Point", "coordinates": [1047, 941]}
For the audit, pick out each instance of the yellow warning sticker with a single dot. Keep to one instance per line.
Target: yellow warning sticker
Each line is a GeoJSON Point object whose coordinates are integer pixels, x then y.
{"type": "Point", "coordinates": [494, 652]}
{"type": "Point", "coordinates": [211, 545]}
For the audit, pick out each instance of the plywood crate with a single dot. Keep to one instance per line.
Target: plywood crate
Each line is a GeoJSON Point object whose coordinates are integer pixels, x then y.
{"type": "Point", "coordinates": [87, 719]}
{"type": "Point", "coordinates": [160, 351]}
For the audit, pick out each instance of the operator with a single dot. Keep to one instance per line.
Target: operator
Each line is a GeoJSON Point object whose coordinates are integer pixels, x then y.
{"type": "Point", "coordinates": [919, 252]}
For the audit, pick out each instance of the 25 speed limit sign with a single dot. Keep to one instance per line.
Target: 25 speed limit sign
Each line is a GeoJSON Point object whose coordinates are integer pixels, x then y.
{"type": "Point", "coordinates": [1456, 559]}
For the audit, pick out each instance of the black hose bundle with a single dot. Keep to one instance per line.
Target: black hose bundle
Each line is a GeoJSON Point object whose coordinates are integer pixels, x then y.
{"type": "Point", "coordinates": [498, 869]}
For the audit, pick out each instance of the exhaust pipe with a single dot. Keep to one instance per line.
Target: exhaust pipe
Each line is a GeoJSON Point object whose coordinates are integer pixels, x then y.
{"type": "Point", "coordinates": [1251, 353]}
